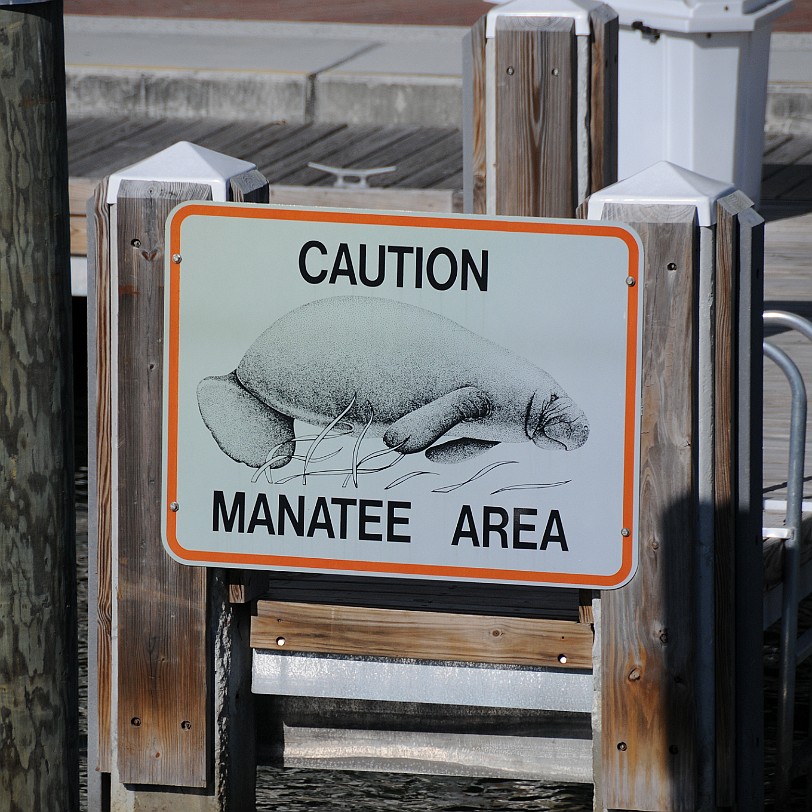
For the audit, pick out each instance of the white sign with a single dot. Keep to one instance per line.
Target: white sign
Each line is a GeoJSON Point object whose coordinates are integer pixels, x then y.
{"type": "Point", "coordinates": [449, 397]}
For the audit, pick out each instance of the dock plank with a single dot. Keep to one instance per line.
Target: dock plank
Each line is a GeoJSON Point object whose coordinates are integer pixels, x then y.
{"type": "Point", "coordinates": [356, 630]}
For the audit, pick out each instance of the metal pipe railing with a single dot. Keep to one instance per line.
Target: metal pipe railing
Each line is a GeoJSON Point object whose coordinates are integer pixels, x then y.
{"type": "Point", "coordinates": [792, 546]}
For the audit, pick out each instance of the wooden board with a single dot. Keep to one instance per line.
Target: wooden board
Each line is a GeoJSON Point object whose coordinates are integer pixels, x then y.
{"type": "Point", "coordinates": [475, 172]}
{"type": "Point", "coordinates": [648, 626]}
{"type": "Point", "coordinates": [100, 213]}
{"type": "Point", "coordinates": [603, 109]}
{"type": "Point", "coordinates": [455, 597]}
{"type": "Point", "coordinates": [162, 656]}
{"type": "Point", "coordinates": [726, 498]}
{"type": "Point", "coordinates": [535, 76]}
{"type": "Point", "coordinates": [360, 631]}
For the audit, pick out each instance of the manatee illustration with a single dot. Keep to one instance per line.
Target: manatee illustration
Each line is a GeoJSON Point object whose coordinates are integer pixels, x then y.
{"type": "Point", "coordinates": [413, 377]}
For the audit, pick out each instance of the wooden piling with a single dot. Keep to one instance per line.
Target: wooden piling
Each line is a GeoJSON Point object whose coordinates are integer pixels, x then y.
{"type": "Point", "coordinates": [678, 727]}
{"type": "Point", "coordinates": [540, 121]}
{"type": "Point", "coordinates": [172, 693]}
{"type": "Point", "coordinates": [39, 762]}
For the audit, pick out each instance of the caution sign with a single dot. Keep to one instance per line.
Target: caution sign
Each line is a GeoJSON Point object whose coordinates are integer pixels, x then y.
{"type": "Point", "coordinates": [447, 397]}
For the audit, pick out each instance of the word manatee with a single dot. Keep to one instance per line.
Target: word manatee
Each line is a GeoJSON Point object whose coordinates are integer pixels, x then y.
{"type": "Point", "coordinates": [413, 377]}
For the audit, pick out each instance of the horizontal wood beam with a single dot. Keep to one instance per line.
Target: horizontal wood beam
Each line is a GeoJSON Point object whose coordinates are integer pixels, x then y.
{"type": "Point", "coordinates": [328, 629]}
{"type": "Point", "coordinates": [439, 200]}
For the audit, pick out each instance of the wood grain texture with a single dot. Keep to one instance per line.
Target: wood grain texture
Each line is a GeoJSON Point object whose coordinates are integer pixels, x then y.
{"type": "Point", "coordinates": [749, 673]}
{"type": "Point", "coordinates": [535, 153]}
{"type": "Point", "coordinates": [453, 597]}
{"type": "Point", "coordinates": [603, 111]}
{"type": "Point", "coordinates": [477, 176]}
{"type": "Point", "coordinates": [162, 671]}
{"type": "Point", "coordinates": [249, 187]}
{"type": "Point", "coordinates": [99, 211]}
{"type": "Point", "coordinates": [39, 759]}
{"type": "Point", "coordinates": [726, 486]}
{"type": "Point", "coordinates": [647, 631]}
{"type": "Point", "coordinates": [420, 635]}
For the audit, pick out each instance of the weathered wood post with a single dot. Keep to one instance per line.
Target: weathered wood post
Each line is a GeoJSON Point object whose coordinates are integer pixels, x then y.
{"type": "Point", "coordinates": [39, 762]}
{"type": "Point", "coordinates": [540, 102]}
{"type": "Point", "coordinates": [169, 643]}
{"type": "Point", "coordinates": [680, 652]}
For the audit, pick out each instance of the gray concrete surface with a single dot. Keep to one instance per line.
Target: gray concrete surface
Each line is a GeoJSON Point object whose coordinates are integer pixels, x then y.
{"type": "Point", "coordinates": [324, 72]}
{"type": "Point", "coordinates": [264, 70]}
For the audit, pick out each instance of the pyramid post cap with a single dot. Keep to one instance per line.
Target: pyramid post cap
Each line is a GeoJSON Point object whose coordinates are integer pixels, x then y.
{"type": "Point", "coordinates": [578, 10]}
{"type": "Point", "coordinates": [663, 184]}
{"type": "Point", "coordinates": [183, 162]}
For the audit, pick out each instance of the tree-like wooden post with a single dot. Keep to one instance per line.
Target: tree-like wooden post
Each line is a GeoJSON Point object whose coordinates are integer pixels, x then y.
{"type": "Point", "coordinates": [679, 678]}
{"type": "Point", "coordinates": [168, 641]}
{"type": "Point", "coordinates": [39, 761]}
{"type": "Point", "coordinates": [540, 102]}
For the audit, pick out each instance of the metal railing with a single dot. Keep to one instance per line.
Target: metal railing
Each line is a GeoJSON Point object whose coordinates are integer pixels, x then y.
{"type": "Point", "coordinates": [793, 650]}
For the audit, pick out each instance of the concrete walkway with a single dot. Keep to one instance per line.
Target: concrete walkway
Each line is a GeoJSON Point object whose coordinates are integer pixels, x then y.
{"type": "Point", "coordinates": [320, 72]}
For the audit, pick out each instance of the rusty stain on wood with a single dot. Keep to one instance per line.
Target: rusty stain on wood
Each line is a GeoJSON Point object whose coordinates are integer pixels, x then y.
{"type": "Point", "coordinates": [421, 635]}
{"type": "Point", "coordinates": [163, 669]}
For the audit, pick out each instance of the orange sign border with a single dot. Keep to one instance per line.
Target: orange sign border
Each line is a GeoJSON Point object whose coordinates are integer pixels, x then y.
{"type": "Point", "coordinates": [249, 560]}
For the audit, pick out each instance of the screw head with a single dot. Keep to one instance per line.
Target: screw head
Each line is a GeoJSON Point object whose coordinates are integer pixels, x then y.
{"type": "Point", "coordinates": [177, 259]}
{"type": "Point", "coordinates": [135, 721]}
{"type": "Point", "coordinates": [135, 242]}
{"type": "Point", "coordinates": [511, 70]}
{"type": "Point", "coordinates": [631, 281]}
{"type": "Point", "coordinates": [174, 507]}
{"type": "Point", "coordinates": [562, 658]}
{"type": "Point", "coordinates": [186, 725]}
{"type": "Point", "coordinates": [280, 641]}
{"type": "Point", "coordinates": [555, 71]}
{"type": "Point", "coordinates": [625, 532]}
{"type": "Point", "coordinates": [622, 746]}
{"type": "Point", "coordinates": [672, 266]}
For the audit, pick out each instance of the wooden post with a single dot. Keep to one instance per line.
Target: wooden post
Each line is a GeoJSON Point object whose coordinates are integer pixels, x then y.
{"type": "Point", "coordinates": [39, 763]}
{"type": "Point", "coordinates": [669, 648]}
{"type": "Point", "coordinates": [540, 99]}
{"type": "Point", "coordinates": [167, 692]}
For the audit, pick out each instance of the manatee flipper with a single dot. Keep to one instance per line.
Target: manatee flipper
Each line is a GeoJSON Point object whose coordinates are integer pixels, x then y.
{"type": "Point", "coordinates": [417, 430]}
{"type": "Point", "coordinates": [241, 424]}
{"type": "Point", "coordinates": [458, 450]}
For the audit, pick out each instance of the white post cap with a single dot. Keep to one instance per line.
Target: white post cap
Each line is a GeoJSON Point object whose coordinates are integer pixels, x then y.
{"type": "Point", "coordinates": [577, 10]}
{"type": "Point", "coordinates": [664, 184]}
{"type": "Point", "coordinates": [183, 162]}
{"type": "Point", "coordinates": [700, 16]}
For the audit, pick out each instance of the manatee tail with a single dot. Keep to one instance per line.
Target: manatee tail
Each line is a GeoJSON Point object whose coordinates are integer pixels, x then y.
{"type": "Point", "coordinates": [243, 426]}
{"type": "Point", "coordinates": [556, 422]}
